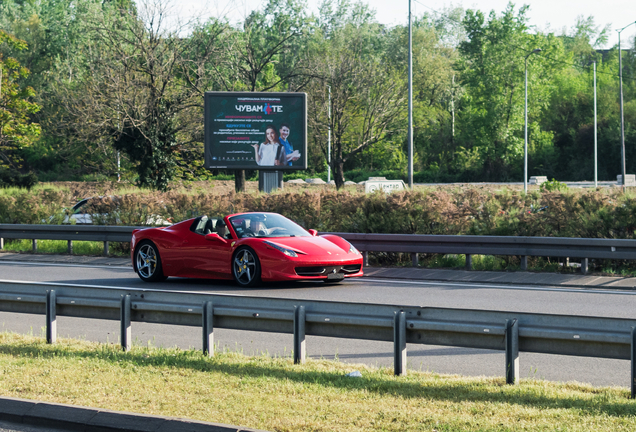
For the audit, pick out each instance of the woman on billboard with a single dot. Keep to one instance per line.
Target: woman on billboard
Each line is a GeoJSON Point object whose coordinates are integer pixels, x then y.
{"type": "Point", "coordinates": [271, 152]}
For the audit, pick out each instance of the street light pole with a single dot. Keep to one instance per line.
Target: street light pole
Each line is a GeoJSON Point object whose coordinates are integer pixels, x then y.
{"type": "Point", "coordinates": [595, 130]}
{"type": "Point", "coordinates": [329, 139]}
{"type": "Point", "coordinates": [525, 138]}
{"type": "Point", "coordinates": [620, 78]}
{"type": "Point", "coordinates": [410, 138]}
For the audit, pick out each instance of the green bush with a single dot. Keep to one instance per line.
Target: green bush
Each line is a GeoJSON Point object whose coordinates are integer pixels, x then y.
{"type": "Point", "coordinates": [13, 178]}
{"type": "Point", "coordinates": [553, 186]}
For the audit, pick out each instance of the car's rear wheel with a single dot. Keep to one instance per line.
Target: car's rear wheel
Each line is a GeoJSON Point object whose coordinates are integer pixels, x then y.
{"type": "Point", "coordinates": [148, 262]}
{"type": "Point", "coordinates": [246, 267]}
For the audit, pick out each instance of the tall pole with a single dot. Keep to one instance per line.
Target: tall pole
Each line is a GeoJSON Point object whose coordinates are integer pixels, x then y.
{"type": "Point", "coordinates": [620, 78]}
{"type": "Point", "coordinates": [410, 100]}
{"type": "Point", "coordinates": [525, 131]}
{"type": "Point", "coordinates": [329, 139]}
{"type": "Point", "coordinates": [595, 135]}
{"type": "Point", "coordinates": [525, 134]}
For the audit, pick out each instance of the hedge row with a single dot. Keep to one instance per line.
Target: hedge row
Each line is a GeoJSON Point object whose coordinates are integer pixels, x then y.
{"type": "Point", "coordinates": [603, 213]}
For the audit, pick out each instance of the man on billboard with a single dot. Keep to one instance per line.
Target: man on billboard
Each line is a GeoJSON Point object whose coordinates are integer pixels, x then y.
{"type": "Point", "coordinates": [291, 155]}
{"type": "Point", "coordinates": [271, 152]}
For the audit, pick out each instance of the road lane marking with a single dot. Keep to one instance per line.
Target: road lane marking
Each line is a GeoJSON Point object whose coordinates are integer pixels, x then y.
{"type": "Point", "coordinates": [508, 287]}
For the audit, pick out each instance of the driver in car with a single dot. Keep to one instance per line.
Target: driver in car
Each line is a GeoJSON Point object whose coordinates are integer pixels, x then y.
{"type": "Point", "coordinates": [258, 227]}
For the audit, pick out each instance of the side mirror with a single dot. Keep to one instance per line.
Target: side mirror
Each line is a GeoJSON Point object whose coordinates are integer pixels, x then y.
{"type": "Point", "coordinates": [313, 232]}
{"type": "Point", "coordinates": [216, 237]}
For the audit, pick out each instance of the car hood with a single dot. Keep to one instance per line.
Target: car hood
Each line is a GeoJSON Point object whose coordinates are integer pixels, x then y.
{"type": "Point", "coordinates": [309, 245]}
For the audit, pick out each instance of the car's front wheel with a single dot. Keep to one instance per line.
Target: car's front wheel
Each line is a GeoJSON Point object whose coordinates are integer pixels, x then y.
{"type": "Point", "coordinates": [148, 262]}
{"type": "Point", "coordinates": [246, 267]}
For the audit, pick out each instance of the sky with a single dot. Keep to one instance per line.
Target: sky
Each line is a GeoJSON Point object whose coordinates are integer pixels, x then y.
{"type": "Point", "coordinates": [553, 15]}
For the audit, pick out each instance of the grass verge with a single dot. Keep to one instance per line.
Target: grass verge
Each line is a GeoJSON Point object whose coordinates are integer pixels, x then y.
{"type": "Point", "coordinates": [61, 247]}
{"type": "Point", "coordinates": [276, 395]}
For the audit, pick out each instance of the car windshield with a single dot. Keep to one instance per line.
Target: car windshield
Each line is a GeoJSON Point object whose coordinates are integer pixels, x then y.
{"type": "Point", "coordinates": [266, 225]}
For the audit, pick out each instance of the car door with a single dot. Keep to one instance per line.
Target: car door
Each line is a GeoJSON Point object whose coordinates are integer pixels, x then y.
{"type": "Point", "coordinates": [203, 257]}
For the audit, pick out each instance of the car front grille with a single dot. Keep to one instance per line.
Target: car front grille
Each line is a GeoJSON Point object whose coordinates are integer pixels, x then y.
{"type": "Point", "coordinates": [324, 270]}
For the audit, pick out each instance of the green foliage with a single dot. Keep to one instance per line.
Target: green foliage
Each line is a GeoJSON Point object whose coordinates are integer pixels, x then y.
{"type": "Point", "coordinates": [17, 131]}
{"type": "Point", "coordinates": [107, 79]}
{"type": "Point", "coordinates": [493, 68]}
{"type": "Point", "coordinates": [553, 186]}
{"type": "Point", "coordinates": [13, 178]}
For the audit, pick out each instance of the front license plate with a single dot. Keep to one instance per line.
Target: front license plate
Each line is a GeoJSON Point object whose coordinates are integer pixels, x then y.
{"type": "Point", "coordinates": [336, 276]}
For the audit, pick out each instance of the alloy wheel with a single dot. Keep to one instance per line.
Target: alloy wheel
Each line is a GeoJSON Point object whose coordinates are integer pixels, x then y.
{"type": "Point", "coordinates": [245, 267]}
{"type": "Point", "coordinates": [146, 261]}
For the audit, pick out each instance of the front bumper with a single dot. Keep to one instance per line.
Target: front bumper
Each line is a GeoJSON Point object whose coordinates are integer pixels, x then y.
{"type": "Point", "coordinates": [310, 270]}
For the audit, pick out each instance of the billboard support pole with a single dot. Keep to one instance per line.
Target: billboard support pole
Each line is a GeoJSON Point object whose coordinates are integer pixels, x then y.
{"type": "Point", "coordinates": [239, 181]}
{"type": "Point", "coordinates": [270, 181]}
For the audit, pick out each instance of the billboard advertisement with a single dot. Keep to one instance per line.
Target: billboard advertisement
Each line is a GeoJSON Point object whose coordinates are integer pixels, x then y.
{"type": "Point", "coordinates": [261, 131]}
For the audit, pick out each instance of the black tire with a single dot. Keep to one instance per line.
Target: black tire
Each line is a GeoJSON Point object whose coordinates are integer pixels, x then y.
{"type": "Point", "coordinates": [148, 262]}
{"type": "Point", "coordinates": [246, 267]}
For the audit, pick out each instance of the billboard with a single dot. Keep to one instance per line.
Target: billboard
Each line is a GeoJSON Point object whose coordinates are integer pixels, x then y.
{"type": "Point", "coordinates": [249, 130]}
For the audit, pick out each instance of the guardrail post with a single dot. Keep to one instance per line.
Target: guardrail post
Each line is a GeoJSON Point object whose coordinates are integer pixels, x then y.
{"type": "Point", "coordinates": [633, 365]}
{"type": "Point", "coordinates": [399, 343]}
{"type": "Point", "coordinates": [299, 334]}
{"type": "Point", "coordinates": [51, 323]}
{"type": "Point", "coordinates": [524, 263]}
{"type": "Point", "coordinates": [105, 248]}
{"type": "Point", "coordinates": [208, 329]}
{"type": "Point", "coordinates": [1, 243]}
{"type": "Point", "coordinates": [365, 259]}
{"type": "Point", "coordinates": [70, 247]}
{"type": "Point", "coordinates": [469, 262]}
{"type": "Point", "coordinates": [35, 245]}
{"type": "Point", "coordinates": [584, 264]}
{"type": "Point", "coordinates": [415, 260]}
{"type": "Point", "coordinates": [124, 318]}
{"type": "Point", "coordinates": [512, 351]}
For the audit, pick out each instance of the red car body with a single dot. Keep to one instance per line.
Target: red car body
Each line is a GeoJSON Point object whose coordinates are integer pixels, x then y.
{"type": "Point", "coordinates": [184, 252]}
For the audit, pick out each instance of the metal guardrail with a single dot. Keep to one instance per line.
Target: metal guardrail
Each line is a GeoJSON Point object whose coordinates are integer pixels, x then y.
{"type": "Point", "coordinates": [510, 332]}
{"type": "Point", "coordinates": [69, 233]}
{"type": "Point", "coordinates": [563, 247]}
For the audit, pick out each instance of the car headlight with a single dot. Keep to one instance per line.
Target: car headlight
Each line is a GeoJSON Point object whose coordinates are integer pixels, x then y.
{"type": "Point", "coordinates": [352, 249]}
{"type": "Point", "coordinates": [286, 251]}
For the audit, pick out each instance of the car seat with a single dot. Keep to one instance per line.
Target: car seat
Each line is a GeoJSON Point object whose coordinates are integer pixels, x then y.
{"type": "Point", "coordinates": [209, 227]}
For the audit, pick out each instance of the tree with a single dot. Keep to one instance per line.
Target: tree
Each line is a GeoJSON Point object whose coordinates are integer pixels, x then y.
{"type": "Point", "coordinates": [492, 67]}
{"type": "Point", "coordinates": [436, 89]}
{"type": "Point", "coordinates": [367, 92]}
{"type": "Point", "coordinates": [16, 128]}
{"type": "Point", "coordinates": [267, 55]}
{"type": "Point", "coordinates": [144, 80]}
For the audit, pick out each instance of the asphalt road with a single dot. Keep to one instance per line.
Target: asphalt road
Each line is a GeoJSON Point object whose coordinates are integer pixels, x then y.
{"type": "Point", "coordinates": [366, 290]}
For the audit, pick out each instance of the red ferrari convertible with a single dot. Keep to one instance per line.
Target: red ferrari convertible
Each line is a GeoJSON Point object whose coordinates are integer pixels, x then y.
{"type": "Point", "coordinates": [246, 247]}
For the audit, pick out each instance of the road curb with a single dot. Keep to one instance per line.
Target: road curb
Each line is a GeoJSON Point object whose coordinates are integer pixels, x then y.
{"type": "Point", "coordinates": [77, 418]}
